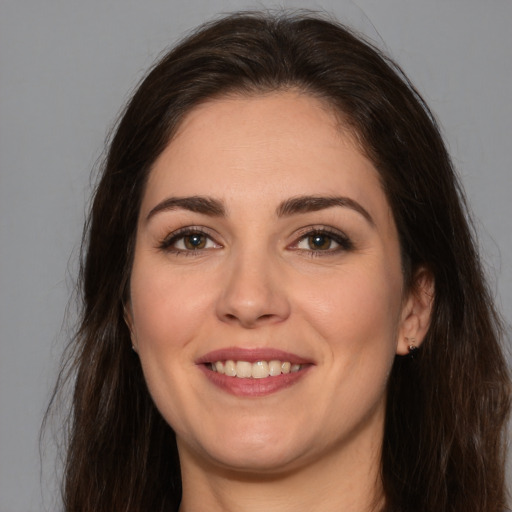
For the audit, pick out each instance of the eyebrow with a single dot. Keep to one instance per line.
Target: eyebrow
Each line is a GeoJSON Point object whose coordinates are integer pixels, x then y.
{"type": "Point", "coordinates": [197, 204]}
{"type": "Point", "coordinates": [295, 205]}
{"type": "Point", "coordinates": [305, 204]}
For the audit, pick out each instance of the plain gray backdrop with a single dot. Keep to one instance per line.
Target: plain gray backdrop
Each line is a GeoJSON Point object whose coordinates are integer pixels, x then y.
{"type": "Point", "coordinates": [67, 67]}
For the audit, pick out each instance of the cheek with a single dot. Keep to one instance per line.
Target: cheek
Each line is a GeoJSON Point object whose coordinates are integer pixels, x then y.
{"type": "Point", "coordinates": [356, 315]}
{"type": "Point", "coordinates": [166, 306]}
{"type": "Point", "coordinates": [168, 312]}
{"type": "Point", "coordinates": [356, 309]}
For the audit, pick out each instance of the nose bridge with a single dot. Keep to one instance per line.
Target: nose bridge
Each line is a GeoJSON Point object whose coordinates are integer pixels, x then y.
{"type": "Point", "coordinates": [253, 292]}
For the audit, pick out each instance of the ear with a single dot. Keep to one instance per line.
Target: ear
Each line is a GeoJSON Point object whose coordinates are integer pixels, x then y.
{"type": "Point", "coordinates": [128, 320]}
{"type": "Point", "coordinates": [416, 311]}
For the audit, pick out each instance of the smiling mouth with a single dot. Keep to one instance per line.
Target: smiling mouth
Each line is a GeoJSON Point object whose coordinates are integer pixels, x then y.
{"type": "Point", "coordinates": [256, 370]}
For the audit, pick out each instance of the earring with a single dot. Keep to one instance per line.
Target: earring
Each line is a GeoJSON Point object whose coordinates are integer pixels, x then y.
{"type": "Point", "coordinates": [413, 349]}
{"type": "Point", "coordinates": [134, 349]}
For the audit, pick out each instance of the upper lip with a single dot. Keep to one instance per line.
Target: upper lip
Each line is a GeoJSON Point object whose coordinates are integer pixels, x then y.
{"type": "Point", "coordinates": [251, 355]}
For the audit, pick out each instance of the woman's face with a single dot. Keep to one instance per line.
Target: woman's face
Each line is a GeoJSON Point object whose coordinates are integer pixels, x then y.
{"type": "Point", "coordinates": [266, 248]}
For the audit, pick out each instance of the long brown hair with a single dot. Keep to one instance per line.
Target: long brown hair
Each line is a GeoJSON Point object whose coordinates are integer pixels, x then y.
{"type": "Point", "coordinates": [444, 445]}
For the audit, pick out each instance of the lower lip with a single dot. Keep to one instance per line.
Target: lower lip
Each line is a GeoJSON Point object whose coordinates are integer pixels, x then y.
{"type": "Point", "coordinates": [253, 387]}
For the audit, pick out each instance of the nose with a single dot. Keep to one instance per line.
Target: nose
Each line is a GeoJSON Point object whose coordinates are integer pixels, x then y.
{"type": "Point", "coordinates": [253, 292]}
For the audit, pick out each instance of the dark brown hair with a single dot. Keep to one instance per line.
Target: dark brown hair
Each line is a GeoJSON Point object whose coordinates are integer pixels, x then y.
{"type": "Point", "coordinates": [444, 446]}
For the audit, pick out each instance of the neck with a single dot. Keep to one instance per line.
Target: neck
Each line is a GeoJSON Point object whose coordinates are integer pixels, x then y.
{"type": "Point", "coordinates": [347, 479]}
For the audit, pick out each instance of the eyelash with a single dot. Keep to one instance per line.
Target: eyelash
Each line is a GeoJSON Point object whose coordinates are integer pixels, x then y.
{"type": "Point", "coordinates": [344, 243]}
{"type": "Point", "coordinates": [167, 244]}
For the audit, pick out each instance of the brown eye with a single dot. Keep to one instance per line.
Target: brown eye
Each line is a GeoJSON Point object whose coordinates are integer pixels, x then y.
{"type": "Point", "coordinates": [188, 241]}
{"type": "Point", "coordinates": [319, 242]}
{"type": "Point", "coordinates": [194, 241]}
{"type": "Point", "coordinates": [323, 241]}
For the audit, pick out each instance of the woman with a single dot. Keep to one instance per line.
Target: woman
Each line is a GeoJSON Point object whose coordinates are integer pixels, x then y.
{"type": "Point", "coordinates": [283, 304]}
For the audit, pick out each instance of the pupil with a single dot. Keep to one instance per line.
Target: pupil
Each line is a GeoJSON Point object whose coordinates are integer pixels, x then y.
{"type": "Point", "coordinates": [195, 241]}
{"type": "Point", "coordinates": [319, 242]}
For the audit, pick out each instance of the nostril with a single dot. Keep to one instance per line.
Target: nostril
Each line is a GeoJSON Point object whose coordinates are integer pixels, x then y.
{"type": "Point", "coordinates": [250, 321]}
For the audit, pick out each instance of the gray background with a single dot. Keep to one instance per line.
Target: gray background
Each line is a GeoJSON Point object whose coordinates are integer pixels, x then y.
{"type": "Point", "coordinates": [66, 68]}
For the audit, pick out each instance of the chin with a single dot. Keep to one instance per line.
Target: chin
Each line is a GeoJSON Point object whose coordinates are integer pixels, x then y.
{"type": "Point", "coordinates": [251, 450]}
{"type": "Point", "coordinates": [269, 461]}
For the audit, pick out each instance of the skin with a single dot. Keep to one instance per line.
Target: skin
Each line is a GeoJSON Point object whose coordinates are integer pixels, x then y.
{"type": "Point", "coordinates": [259, 282]}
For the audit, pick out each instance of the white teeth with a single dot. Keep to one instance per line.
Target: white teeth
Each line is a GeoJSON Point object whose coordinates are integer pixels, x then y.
{"type": "Point", "coordinates": [260, 370]}
{"type": "Point", "coordinates": [257, 370]}
{"type": "Point", "coordinates": [274, 368]}
{"type": "Point", "coordinates": [243, 369]}
{"type": "Point", "coordinates": [230, 368]}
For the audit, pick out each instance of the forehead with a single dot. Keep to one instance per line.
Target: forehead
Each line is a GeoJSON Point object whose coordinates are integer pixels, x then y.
{"type": "Point", "coordinates": [278, 144]}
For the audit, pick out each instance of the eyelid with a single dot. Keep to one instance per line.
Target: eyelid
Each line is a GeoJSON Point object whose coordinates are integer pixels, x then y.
{"type": "Point", "coordinates": [344, 242]}
{"type": "Point", "coordinates": [166, 244]}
